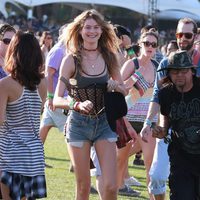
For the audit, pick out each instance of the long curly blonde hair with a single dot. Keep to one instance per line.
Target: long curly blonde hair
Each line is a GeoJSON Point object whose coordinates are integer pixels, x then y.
{"type": "Point", "coordinates": [107, 44]}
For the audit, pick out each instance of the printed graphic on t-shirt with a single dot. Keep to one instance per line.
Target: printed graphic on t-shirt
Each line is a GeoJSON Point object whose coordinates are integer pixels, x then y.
{"type": "Point", "coordinates": [187, 124]}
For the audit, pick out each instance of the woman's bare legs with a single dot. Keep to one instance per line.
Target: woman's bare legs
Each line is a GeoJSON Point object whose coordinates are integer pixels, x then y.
{"type": "Point", "coordinates": [148, 151]}
{"type": "Point", "coordinates": [5, 191]}
{"type": "Point", "coordinates": [106, 153]}
{"type": "Point", "coordinates": [80, 158]}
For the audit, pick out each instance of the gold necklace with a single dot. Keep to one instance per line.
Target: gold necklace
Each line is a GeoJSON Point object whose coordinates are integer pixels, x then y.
{"type": "Point", "coordinates": [92, 65]}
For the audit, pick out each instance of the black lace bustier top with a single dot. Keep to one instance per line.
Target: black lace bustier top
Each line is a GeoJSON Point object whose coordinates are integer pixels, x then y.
{"type": "Point", "coordinates": [84, 87]}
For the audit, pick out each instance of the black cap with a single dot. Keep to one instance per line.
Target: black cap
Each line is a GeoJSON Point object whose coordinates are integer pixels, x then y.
{"type": "Point", "coordinates": [179, 60]}
{"type": "Point", "coordinates": [115, 107]}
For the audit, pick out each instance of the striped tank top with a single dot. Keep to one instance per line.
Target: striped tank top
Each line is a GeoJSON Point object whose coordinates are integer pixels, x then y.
{"type": "Point", "coordinates": [21, 150]}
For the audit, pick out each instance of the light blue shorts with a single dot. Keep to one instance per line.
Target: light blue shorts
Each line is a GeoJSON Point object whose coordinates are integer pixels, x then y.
{"type": "Point", "coordinates": [81, 128]}
{"type": "Point", "coordinates": [159, 170]}
{"type": "Point", "coordinates": [54, 118]}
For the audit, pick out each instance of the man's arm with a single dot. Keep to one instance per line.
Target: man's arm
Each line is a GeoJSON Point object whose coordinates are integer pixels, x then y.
{"type": "Point", "coordinates": [154, 106]}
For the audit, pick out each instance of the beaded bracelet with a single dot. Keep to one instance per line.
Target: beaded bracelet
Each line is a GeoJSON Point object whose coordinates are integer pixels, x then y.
{"type": "Point", "coordinates": [50, 95]}
{"type": "Point", "coordinates": [76, 105]}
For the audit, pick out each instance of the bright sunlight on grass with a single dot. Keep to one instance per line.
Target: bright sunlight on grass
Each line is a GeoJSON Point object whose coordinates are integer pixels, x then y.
{"type": "Point", "coordinates": [61, 183]}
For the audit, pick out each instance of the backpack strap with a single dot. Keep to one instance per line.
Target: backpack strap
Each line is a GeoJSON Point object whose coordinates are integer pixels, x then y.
{"type": "Point", "coordinates": [136, 63]}
{"type": "Point", "coordinates": [155, 63]}
{"type": "Point", "coordinates": [63, 79]}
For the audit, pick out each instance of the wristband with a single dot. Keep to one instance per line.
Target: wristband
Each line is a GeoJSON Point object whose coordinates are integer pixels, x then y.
{"type": "Point", "coordinates": [71, 104]}
{"type": "Point", "coordinates": [50, 95]}
{"type": "Point", "coordinates": [131, 52]}
{"type": "Point", "coordinates": [148, 122]}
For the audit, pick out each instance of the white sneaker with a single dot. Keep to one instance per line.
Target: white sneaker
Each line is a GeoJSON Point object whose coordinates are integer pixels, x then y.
{"type": "Point", "coordinates": [132, 181]}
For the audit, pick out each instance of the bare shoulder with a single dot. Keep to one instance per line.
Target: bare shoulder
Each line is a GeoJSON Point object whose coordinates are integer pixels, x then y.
{"type": "Point", "coordinates": [10, 88]}
{"type": "Point", "coordinates": [7, 84]}
{"type": "Point", "coordinates": [67, 67]}
{"type": "Point", "coordinates": [128, 66]}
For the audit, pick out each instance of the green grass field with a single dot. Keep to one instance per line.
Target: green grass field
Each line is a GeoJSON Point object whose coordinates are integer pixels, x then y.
{"type": "Point", "coordinates": [61, 183]}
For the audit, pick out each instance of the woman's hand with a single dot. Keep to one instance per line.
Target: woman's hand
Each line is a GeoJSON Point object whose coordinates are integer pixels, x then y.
{"type": "Point", "coordinates": [84, 107]}
{"type": "Point", "coordinates": [50, 104]}
{"type": "Point", "coordinates": [113, 85]}
{"type": "Point", "coordinates": [145, 133]}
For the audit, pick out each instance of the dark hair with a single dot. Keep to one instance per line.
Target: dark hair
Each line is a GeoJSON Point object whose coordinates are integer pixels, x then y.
{"type": "Point", "coordinates": [147, 28]}
{"type": "Point", "coordinates": [174, 42]}
{"type": "Point", "coordinates": [6, 28]}
{"type": "Point", "coordinates": [188, 21]}
{"type": "Point", "coordinates": [136, 49]}
{"type": "Point", "coordinates": [121, 30]}
{"type": "Point", "coordinates": [24, 60]}
{"type": "Point", "coordinates": [43, 37]}
{"type": "Point", "coordinates": [152, 32]}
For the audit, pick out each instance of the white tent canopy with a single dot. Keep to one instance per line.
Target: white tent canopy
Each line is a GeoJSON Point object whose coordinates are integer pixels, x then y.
{"type": "Point", "coordinates": [188, 7]}
{"type": "Point", "coordinates": [3, 6]}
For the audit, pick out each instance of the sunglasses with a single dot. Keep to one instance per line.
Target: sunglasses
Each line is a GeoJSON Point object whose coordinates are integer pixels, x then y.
{"type": "Point", "coordinates": [6, 41]}
{"type": "Point", "coordinates": [148, 44]}
{"type": "Point", "coordinates": [186, 35]}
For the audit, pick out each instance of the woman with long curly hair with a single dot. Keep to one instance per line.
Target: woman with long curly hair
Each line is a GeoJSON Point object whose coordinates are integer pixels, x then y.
{"type": "Point", "coordinates": [91, 64]}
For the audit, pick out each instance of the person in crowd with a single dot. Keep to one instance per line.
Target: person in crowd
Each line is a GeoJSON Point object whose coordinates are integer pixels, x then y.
{"type": "Point", "coordinates": [159, 172]}
{"type": "Point", "coordinates": [179, 99]}
{"type": "Point", "coordinates": [124, 40]}
{"type": "Point", "coordinates": [197, 40]}
{"type": "Point", "coordinates": [138, 156]}
{"type": "Point", "coordinates": [53, 117]}
{"type": "Point", "coordinates": [46, 42]}
{"type": "Point", "coordinates": [91, 64]}
{"type": "Point", "coordinates": [171, 47]}
{"type": "Point", "coordinates": [23, 93]}
{"type": "Point", "coordinates": [139, 75]}
{"type": "Point", "coordinates": [125, 44]}
{"type": "Point", "coordinates": [6, 34]}
{"type": "Point", "coordinates": [158, 55]}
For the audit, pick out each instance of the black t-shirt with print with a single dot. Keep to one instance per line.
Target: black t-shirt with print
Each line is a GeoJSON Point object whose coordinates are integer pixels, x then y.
{"type": "Point", "coordinates": [183, 111]}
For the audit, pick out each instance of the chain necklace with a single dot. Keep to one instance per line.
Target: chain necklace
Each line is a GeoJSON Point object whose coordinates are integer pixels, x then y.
{"type": "Point", "coordinates": [92, 62]}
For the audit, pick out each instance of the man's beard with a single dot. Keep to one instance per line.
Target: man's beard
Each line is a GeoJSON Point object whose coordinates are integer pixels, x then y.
{"type": "Point", "coordinates": [188, 47]}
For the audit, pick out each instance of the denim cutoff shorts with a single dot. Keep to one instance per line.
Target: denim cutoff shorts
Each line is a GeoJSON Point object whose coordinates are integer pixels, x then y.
{"type": "Point", "coordinates": [81, 128]}
{"type": "Point", "coordinates": [54, 118]}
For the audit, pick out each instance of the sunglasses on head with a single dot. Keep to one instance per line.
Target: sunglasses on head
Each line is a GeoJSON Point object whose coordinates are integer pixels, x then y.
{"type": "Point", "coordinates": [148, 44]}
{"type": "Point", "coordinates": [186, 35]}
{"type": "Point", "coordinates": [6, 41]}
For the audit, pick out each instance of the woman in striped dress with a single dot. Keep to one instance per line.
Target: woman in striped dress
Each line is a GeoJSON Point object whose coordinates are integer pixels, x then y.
{"type": "Point", "coordinates": [139, 75]}
{"type": "Point", "coordinates": [23, 93]}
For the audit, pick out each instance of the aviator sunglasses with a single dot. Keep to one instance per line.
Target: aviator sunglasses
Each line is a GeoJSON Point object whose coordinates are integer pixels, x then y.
{"type": "Point", "coordinates": [6, 41]}
{"type": "Point", "coordinates": [148, 44]}
{"type": "Point", "coordinates": [186, 35]}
